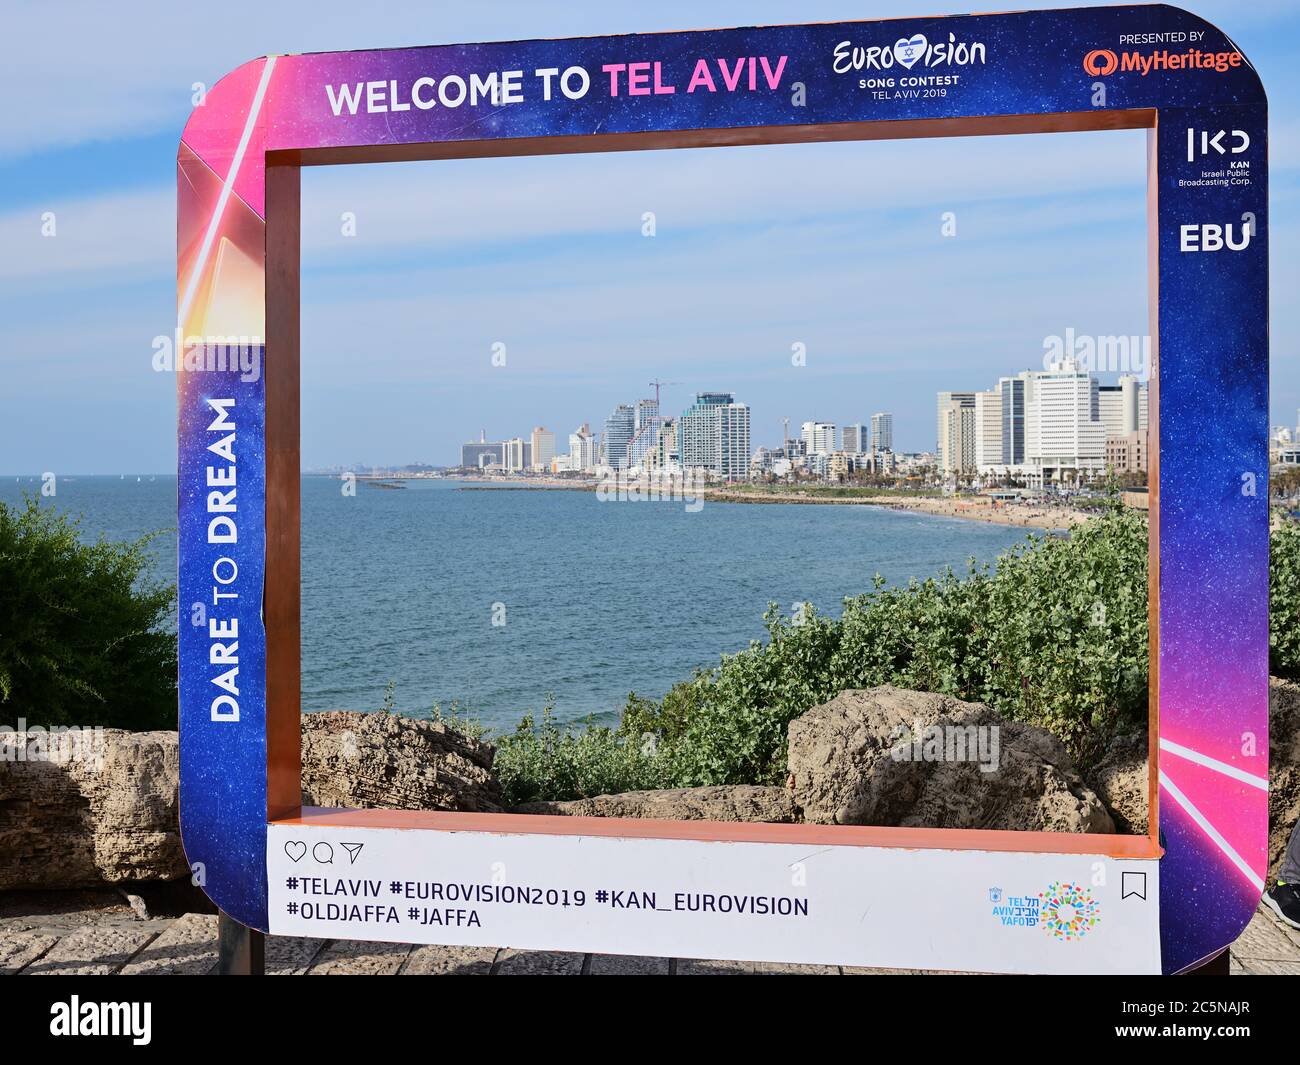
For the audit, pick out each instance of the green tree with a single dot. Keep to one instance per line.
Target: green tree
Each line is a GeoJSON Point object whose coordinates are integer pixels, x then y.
{"type": "Point", "coordinates": [82, 632]}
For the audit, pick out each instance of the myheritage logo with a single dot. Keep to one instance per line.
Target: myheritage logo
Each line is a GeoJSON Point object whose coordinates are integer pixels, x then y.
{"type": "Point", "coordinates": [1101, 62]}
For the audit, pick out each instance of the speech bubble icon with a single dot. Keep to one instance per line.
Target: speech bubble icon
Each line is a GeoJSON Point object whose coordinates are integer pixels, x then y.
{"type": "Point", "coordinates": [323, 853]}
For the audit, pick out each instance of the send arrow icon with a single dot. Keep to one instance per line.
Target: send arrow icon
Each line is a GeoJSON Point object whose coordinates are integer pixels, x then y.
{"type": "Point", "coordinates": [353, 850]}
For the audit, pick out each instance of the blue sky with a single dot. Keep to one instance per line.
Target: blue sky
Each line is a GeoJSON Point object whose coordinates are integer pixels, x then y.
{"type": "Point", "coordinates": [837, 247]}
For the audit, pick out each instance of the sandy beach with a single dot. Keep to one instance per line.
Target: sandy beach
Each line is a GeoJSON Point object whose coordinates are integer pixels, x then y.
{"type": "Point", "coordinates": [980, 508]}
{"type": "Point", "coordinates": [968, 508]}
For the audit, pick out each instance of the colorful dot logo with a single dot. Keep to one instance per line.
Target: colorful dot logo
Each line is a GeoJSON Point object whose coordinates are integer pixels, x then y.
{"type": "Point", "coordinates": [1068, 911]}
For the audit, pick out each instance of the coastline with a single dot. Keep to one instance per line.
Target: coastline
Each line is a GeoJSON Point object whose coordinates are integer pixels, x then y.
{"type": "Point", "coordinates": [1023, 515]}
{"type": "Point", "coordinates": [979, 508]}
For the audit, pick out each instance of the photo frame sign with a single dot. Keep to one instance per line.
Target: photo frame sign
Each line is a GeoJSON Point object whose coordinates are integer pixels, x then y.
{"type": "Point", "coordinates": [908, 898]}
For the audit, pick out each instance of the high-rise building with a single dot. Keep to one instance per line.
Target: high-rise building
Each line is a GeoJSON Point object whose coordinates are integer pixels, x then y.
{"type": "Point", "coordinates": [854, 439]}
{"type": "Point", "coordinates": [620, 427]}
{"type": "Point", "coordinates": [1110, 409]}
{"type": "Point", "coordinates": [1064, 431]}
{"type": "Point", "coordinates": [955, 448]}
{"type": "Point", "coordinates": [988, 429]}
{"type": "Point", "coordinates": [733, 442]}
{"type": "Point", "coordinates": [1015, 394]}
{"type": "Point", "coordinates": [818, 437]}
{"type": "Point", "coordinates": [584, 451]}
{"type": "Point", "coordinates": [713, 435]}
{"type": "Point", "coordinates": [518, 454]}
{"type": "Point", "coordinates": [543, 447]}
{"type": "Point", "coordinates": [663, 457]}
{"type": "Point", "coordinates": [644, 430]}
{"type": "Point", "coordinates": [1132, 406]}
{"type": "Point", "coordinates": [476, 454]}
{"type": "Point", "coordinates": [882, 431]}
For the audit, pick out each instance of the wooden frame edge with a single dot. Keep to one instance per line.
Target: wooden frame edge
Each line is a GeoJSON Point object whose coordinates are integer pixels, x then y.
{"type": "Point", "coordinates": [282, 602]}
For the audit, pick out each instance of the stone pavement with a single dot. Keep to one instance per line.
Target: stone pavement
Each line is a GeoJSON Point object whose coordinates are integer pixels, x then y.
{"type": "Point", "coordinates": [102, 932]}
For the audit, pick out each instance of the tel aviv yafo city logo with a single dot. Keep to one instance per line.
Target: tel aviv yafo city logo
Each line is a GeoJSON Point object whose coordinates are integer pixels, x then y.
{"type": "Point", "coordinates": [1068, 911]}
{"type": "Point", "coordinates": [1065, 911]}
{"type": "Point", "coordinates": [907, 52]}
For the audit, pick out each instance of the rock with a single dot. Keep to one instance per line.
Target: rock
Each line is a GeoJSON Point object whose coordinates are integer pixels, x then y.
{"type": "Point", "coordinates": [1283, 767]}
{"type": "Point", "coordinates": [388, 762]}
{"type": "Point", "coordinates": [1121, 780]}
{"type": "Point", "coordinates": [80, 808]}
{"type": "Point", "coordinates": [845, 770]}
{"type": "Point", "coordinates": [739, 802]}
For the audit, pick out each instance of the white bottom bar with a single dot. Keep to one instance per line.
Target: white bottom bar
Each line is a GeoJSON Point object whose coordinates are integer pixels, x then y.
{"type": "Point", "coordinates": [974, 911]}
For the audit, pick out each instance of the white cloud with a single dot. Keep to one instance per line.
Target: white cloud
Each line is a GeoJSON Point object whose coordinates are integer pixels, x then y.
{"type": "Point", "coordinates": [119, 236]}
{"type": "Point", "coordinates": [493, 201]}
{"type": "Point", "coordinates": [105, 239]}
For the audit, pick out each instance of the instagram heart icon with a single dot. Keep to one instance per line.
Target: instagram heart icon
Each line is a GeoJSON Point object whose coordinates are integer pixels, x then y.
{"type": "Point", "coordinates": [908, 51]}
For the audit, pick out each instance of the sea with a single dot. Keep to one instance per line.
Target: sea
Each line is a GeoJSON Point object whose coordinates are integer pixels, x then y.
{"type": "Point", "coordinates": [499, 602]}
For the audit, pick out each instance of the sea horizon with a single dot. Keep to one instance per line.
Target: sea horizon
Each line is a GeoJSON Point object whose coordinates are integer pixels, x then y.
{"type": "Point", "coordinates": [501, 603]}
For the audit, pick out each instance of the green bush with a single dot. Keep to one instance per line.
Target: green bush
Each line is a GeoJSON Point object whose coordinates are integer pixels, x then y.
{"type": "Point", "coordinates": [82, 635]}
{"type": "Point", "coordinates": [547, 761]}
{"type": "Point", "coordinates": [1284, 600]}
{"type": "Point", "coordinates": [1055, 635]}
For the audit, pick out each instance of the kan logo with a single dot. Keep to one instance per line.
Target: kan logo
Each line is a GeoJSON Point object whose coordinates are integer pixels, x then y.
{"type": "Point", "coordinates": [1238, 140]}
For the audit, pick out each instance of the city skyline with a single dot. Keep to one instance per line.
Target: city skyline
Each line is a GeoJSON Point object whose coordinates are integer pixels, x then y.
{"type": "Point", "coordinates": [1038, 424]}
{"type": "Point", "coordinates": [628, 422]}
{"type": "Point", "coordinates": [1042, 425]}
{"type": "Point", "coordinates": [765, 431]}
{"type": "Point", "coordinates": [836, 247]}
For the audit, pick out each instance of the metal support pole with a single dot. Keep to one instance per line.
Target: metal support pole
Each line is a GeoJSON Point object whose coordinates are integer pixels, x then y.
{"type": "Point", "coordinates": [241, 950]}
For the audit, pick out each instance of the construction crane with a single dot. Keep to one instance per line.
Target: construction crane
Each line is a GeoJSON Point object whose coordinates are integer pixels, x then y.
{"type": "Point", "coordinates": [645, 435]}
{"type": "Point", "coordinates": [657, 384]}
